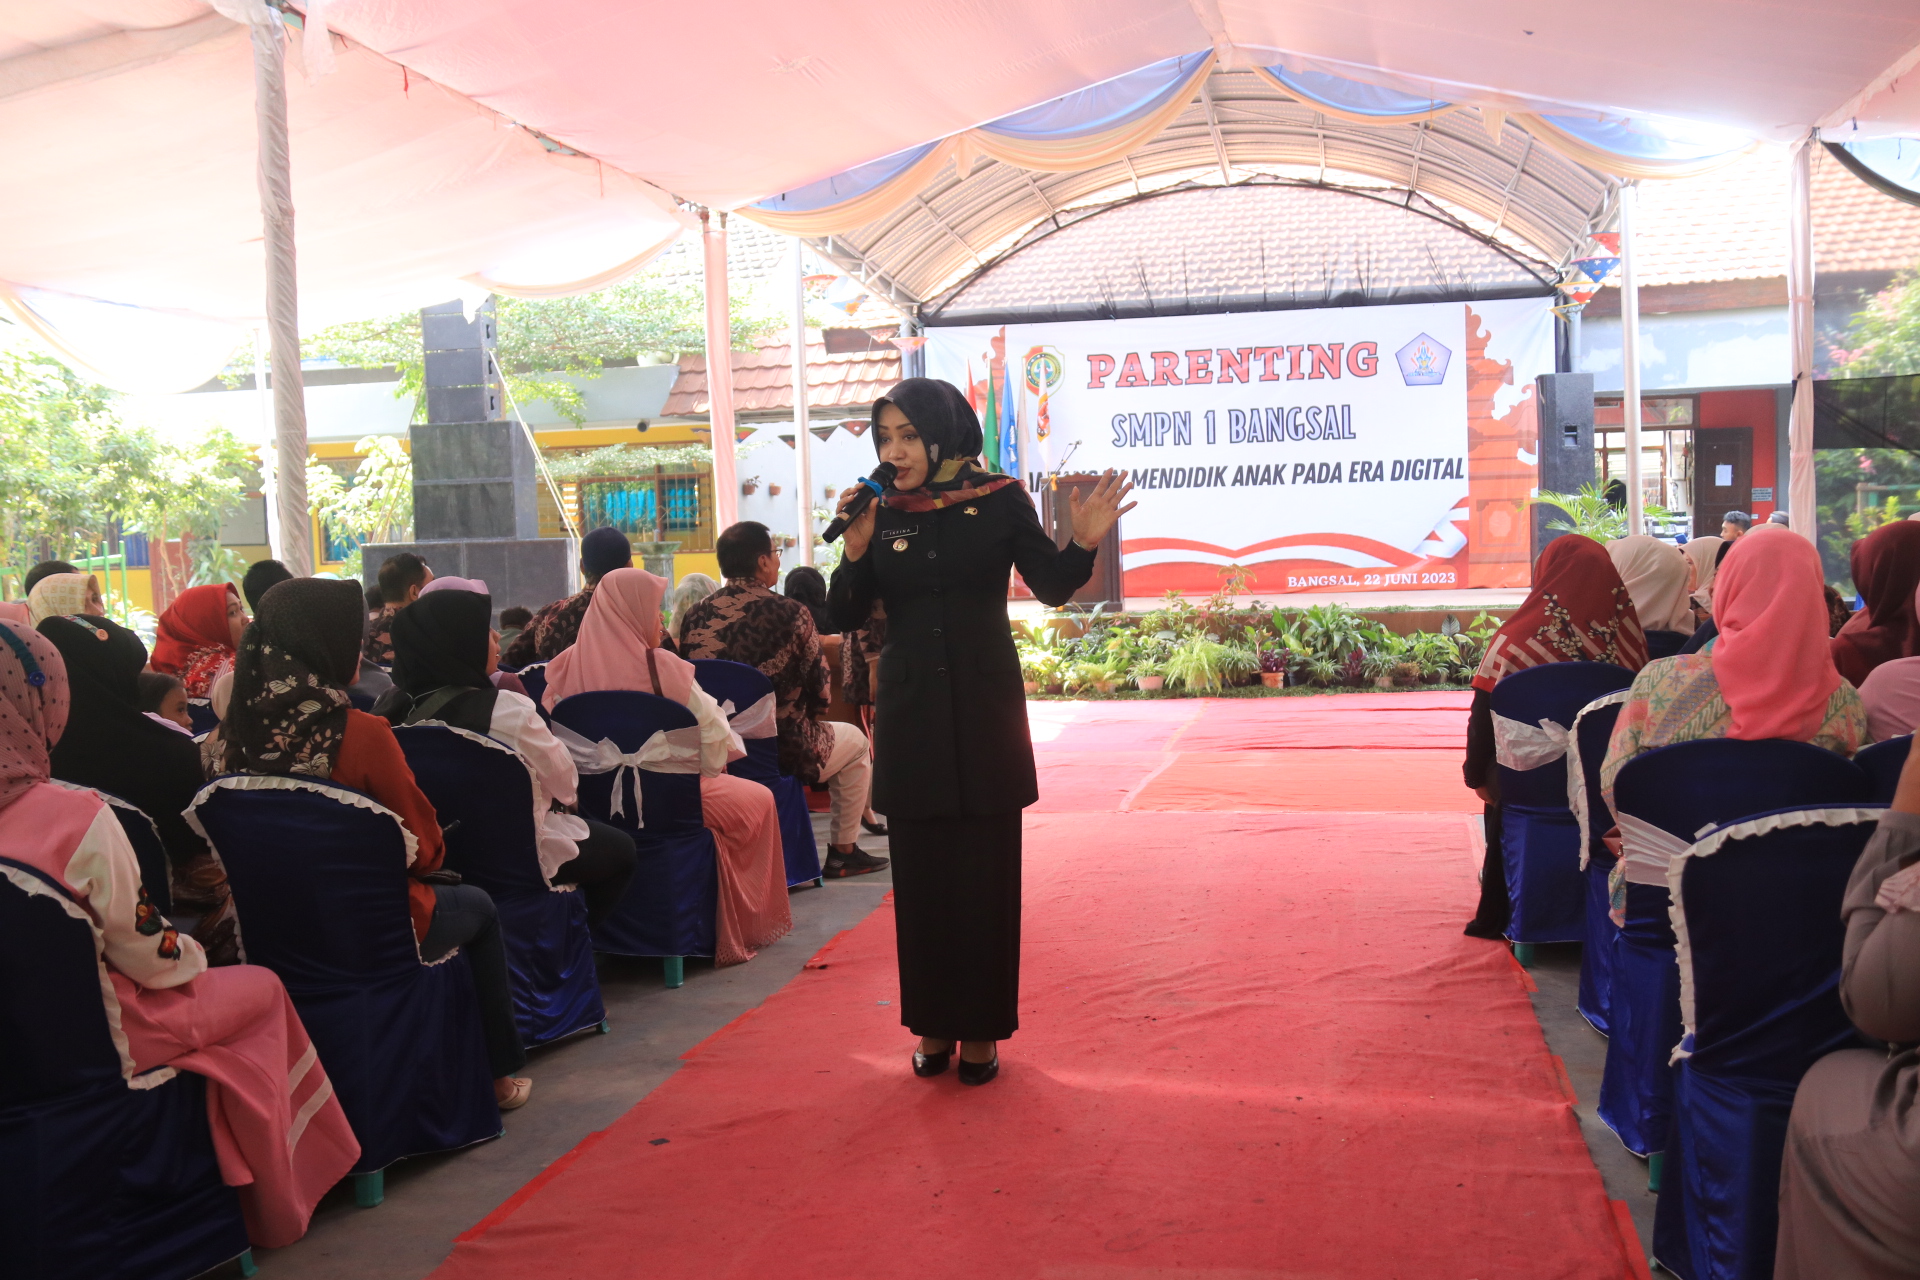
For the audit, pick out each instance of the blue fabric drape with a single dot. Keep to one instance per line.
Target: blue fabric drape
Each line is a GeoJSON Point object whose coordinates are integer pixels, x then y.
{"type": "Point", "coordinates": [1646, 138]}
{"type": "Point", "coordinates": [1107, 105]}
{"type": "Point", "coordinates": [1351, 95]}
{"type": "Point", "coordinates": [846, 184]}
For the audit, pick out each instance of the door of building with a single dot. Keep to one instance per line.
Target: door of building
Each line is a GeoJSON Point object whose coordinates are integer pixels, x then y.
{"type": "Point", "coordinates": [1722, 476]}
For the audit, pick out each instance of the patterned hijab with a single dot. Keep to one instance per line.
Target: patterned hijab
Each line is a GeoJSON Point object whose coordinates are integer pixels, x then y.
{"type": "Point", "coordinates": [951, 430]}
{"type": "Point", "coordinates": [1578, 611]}
{"type": "Point", "coordinates": [61, 593]}
{"type": "Point", "coordinates": [33, 709]}
{"type": "Point", "coordinates": [288, 712]}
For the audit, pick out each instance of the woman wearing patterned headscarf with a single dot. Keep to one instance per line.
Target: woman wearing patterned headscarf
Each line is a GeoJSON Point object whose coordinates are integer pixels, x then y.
{"type": "Point", "coordinates": [953, 761]}
{"type": "Point", "coordinates": [290, 715]}
{"type": "Point", "coordinates": [282, 1138]}
{"type": "Point", "coordinates": [1578, 611]}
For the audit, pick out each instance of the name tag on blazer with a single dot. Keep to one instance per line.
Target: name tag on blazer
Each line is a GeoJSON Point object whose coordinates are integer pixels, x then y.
{"type": "Point", "coordinates": [897, 538]}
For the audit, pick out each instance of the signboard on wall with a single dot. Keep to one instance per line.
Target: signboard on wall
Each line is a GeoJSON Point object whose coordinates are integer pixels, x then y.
{"type": "Point", "coordinates": [1346, 449]}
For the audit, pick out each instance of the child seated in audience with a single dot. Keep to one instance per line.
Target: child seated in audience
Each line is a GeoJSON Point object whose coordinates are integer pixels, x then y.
{"type": "Point", "coordinates": [512, 622]}
{"type": "Point", "coordinates": [164, 699]}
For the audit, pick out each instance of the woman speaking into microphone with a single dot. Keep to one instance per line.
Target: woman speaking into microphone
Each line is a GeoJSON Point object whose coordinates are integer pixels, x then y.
{"type": "Point", "coordinates": [953, 764]}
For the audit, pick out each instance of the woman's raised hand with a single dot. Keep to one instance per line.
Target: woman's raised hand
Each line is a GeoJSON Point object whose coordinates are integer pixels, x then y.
{"type": "Point", "coordinates": [1092, 518]}
{"type": "Point", "coordinates": [854, 541]}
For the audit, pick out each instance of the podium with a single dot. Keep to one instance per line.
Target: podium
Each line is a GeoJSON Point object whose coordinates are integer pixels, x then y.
{"type": "Point", "coordinates": [1105, 586]}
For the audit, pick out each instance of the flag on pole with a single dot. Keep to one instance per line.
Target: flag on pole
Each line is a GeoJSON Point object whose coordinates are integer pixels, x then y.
{"type": "Point", "coordinates": [990, 425]}
{"type": "Point", "coordinates": [1010, 426]}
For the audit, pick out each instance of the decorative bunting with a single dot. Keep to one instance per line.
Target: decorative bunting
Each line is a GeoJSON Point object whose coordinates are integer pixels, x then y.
{"type": "Point", "coordinates": [821, 433]}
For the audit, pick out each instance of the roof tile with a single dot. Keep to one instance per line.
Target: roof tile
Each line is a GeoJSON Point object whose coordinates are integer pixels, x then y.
{"type": "Point", "coordinates": [763, 377]}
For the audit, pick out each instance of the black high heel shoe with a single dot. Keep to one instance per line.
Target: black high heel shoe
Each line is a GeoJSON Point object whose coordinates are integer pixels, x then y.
{"type": "Point", "coordinates": [979, 1072]}
{"type": "Point", "coordinates": [926, 1065]}
{"type": "Point", "coordinates": [874, 828]}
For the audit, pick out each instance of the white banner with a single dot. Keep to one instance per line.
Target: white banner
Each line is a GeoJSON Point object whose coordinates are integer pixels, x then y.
{"type": "Point", "coordinates": [1325, 450]}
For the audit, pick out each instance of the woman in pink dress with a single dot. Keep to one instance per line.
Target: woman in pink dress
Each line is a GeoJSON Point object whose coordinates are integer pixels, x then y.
{"type": "Point", "coordinates": [278, 1131]}
{"type": "Point", "coordinates": [618, 648]}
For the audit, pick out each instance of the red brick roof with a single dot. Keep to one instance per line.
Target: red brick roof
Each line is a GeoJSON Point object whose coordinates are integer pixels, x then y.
{"type": "Point", "coordinates": [763, 378]}
{"type": "Point", "coordinates": [1732, 224]}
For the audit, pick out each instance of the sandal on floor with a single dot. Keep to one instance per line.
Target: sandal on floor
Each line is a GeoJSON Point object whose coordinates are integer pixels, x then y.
{"type": "Point", "coordinates": [522, 1090]}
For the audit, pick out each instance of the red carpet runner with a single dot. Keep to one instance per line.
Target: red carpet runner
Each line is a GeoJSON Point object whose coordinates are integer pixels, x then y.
{"type": "Point", "coordinates": [1254, 1044]}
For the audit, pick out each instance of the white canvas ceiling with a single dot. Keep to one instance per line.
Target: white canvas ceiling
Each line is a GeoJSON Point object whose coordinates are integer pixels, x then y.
{"type": "Point", "coordinates": [126, 126]}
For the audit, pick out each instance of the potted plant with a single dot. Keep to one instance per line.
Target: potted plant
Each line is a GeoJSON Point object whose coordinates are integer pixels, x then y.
{"type": "Point", "coordinates": [1273, 668]}
{"type": "Point", "coordinates": [773, 490]}
{"type": "Point", "coordinates": [1149, 675]}
{"type": "Point", "coordinates": [750, 485]}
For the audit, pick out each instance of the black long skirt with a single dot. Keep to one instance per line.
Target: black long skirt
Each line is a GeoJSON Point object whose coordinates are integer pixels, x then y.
{"type": "Point", "coordinates": [956, 907]}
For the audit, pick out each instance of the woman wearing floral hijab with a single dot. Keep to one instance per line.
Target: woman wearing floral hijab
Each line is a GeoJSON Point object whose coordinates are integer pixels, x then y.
{"type": "Point", "coordinates": [290, 715]}
{"type": "Point", "coordinates": [1578, 611]}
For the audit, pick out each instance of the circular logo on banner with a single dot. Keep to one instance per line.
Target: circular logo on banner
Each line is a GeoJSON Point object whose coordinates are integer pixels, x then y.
{"type": "Point", "coordinates": [1045, 368]}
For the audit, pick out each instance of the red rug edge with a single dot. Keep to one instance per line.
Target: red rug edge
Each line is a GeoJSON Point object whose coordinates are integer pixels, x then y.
{"type": "Point", "coordinates": [506, 1208]}
{"type": "Point", "coordinates": [1630, 1241]}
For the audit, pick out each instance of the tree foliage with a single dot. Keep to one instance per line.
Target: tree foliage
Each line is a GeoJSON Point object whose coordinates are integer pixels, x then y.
{"type": "Point", "coordinates": [1884, 335]}
{"type": "Point", "coordinates": [543, 339]}
{"type": "Point", "coordinates": [376, 505]}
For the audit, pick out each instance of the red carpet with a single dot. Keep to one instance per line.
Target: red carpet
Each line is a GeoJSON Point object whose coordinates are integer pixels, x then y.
{"type": "Point", "coordinates": [1254, 1045]}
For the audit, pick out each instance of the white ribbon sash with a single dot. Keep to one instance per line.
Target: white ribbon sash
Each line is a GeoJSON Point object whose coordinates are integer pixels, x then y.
{"type": "Point", "coordinates": [757, 721]}
{"type": "Point", "coordinates": [1647, 850]}
{"type": "Point", "coordinates": [1521, 746]}
{"type": "Point", "coordinates": [667, 751]}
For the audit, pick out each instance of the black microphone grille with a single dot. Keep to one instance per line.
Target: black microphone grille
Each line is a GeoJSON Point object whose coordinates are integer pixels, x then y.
{"type": "Point", "coordinates": [885, 472]}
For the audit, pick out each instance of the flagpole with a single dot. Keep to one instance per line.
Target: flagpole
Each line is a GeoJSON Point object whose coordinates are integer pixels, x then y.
{"type": "Point", "coordinates": [802, 435]}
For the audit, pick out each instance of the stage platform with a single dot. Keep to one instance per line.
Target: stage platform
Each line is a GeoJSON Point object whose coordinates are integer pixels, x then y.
{"type": "Point", "coordinates": [1456, 600]}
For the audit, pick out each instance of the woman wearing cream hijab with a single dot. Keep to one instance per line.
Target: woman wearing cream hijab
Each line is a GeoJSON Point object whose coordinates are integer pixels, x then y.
{"type": "Point", "coordinates": [1658, 578]}
{"type": "Point", "coordinates": [1704, 555]}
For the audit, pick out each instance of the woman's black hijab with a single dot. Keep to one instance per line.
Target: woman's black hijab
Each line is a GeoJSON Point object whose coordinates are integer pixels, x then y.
{"type": "Point", "coordinates": [288, 712]}
{"type": "Point", "coordinates": [807, 586]}
{"type": "Point", "coordinates": [440, 643]}
{"type": "Point", "coordinates": [945, 421]}
{"type": "Point", "coordinates": [110, 744]}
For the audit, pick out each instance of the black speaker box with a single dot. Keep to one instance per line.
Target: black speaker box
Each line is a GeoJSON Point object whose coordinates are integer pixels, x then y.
{"type": "Point", "coordinates": [1566, 445]}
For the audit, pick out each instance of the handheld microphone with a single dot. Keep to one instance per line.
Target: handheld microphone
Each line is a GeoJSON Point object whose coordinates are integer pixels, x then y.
{"type": "Point", "coordinates": [870, 488]}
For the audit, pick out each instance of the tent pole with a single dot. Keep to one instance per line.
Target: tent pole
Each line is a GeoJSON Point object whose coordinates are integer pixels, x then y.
{"type": "Point", "coordinates": [1800, 482]}
{"type": "Point", "coordinates": [726, 487]}
{"type": "Point", "coordinates": [802, 437]}
{"type": "Point", "coordinates": [283, 293]}
{"type": "Point", "coordinates": [269, 482]}
{"type": "Point", "coordinates": [1630, 361]}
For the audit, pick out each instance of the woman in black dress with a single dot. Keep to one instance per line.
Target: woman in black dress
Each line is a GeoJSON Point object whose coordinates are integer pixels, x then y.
{"type": "Point", "coordinates": [953, 764]}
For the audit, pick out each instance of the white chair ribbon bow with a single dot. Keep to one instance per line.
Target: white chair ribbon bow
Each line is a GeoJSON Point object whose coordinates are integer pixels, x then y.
{"type": "Point", "coordinates": [1521, 746]}
{"type": "Point", "coordinates": [667, 751]}
{"type": "Point", "coordinates": [1646, 850]}
{"type": "Point", "coordinates": [757, 721]}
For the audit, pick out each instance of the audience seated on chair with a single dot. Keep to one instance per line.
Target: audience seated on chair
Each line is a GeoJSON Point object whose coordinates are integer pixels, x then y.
{"type": "Point", "coordinates": [262, 575]}
{"type": "Point", "coordinates": [552, 628]}
{"type": "Point", "coordinates": [163, 699]}
{"type": "Point", "coordinates": [290, 715]}
{"type": "Point", "coordinates": [746, 622]}
{"type": "Point", "coordinates": [1850, 1186]}
{"type": "Point", "coordinates": [692, 589]}
{"type": "Point", "coordinates": [282, 1137]}
{"type": "Point", "coordinates": [198, 634]}
{"type": "Point", "coordinates": [1891, 693]}
{"type": "Point", "coordinates": [62, 593]}
{"type": "Point", "coordinates": [1886, 571]}
{"type": "Point", "coordinates": [443, 652]}
{"type": "Point", "coordinates": [1658, 576]}
{"type": "Point", "coordinates": [110, 744]}
{"type": "Point", "coordinates": [618, 648]}
{"type": "Point", "coordinates": [513, 621]}
{"type": "Point", "coordinates": [1578, 611]}
{"type": "Point", "coordinates": [402, 578]}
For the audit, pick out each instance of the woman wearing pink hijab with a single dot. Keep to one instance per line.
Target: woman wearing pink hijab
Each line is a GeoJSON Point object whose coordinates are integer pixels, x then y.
{"type": "Point", "coordinates": [619, 648]}
{"type": "Point", "coordinates": [1769, 675]}
{"type": "Point", "coordinates": [278, 1131]}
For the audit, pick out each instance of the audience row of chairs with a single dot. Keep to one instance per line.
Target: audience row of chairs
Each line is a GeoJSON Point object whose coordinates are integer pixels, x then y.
{"type": "Point", "coordinates": [1721, 988]}
{"type": "Point", "coordinates": [318, 875]}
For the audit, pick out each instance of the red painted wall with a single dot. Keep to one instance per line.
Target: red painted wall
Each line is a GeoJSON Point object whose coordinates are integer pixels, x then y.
{"type": "Point", "coordinates": [1754, 410]}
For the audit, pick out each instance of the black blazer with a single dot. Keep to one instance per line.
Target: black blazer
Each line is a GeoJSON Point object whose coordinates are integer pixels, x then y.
{"type": "Point", "coordinates": [950, 716]}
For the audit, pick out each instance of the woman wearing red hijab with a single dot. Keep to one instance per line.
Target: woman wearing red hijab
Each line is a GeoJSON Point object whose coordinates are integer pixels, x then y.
{"type": "Point", "coordinates": [1578, 611]}
{"type": "Point", "coordinates": [199, 634]}
{"type": "Point", "coordinates": [1886, 569]}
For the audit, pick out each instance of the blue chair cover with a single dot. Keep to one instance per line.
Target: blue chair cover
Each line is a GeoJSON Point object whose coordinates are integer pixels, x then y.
{"type": "Point", "coordinates": [483, 793]}
{"type": "Point", "coordinates": [1759, 955]}
{"type": "Point", "coordinates": [745, 686]}
{"type": "Point", "coordinates": [1664, 644]}
{"type": "Point", "coordinates": [319, 881]}
{"type": "Point", "coordinates": [105, 1181]}
{"type": "Point", "coordinates": [671, 902]}
{"type": "Point", "coordinates": [200, 713]}
{"type": "Point", "coordinates": [533, 678]}
{"type": "Point", "coordinates": [1684, 790]}
{"type": "Point", "coordinates": [1883, 762]}
{"type": "Point", "coordinates": [1539, 839]}
{"type": "Point", "coordinates": [1589, 744]}
{"type": "Point", "coordinates": [156, 876]}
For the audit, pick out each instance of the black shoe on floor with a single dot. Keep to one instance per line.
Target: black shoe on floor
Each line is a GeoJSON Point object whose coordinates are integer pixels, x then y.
{"type": "Point", "coordinates": [874, 828]}
{"type": "Point", "coordinates": [979, 1072]}
{"type": "Point", "coordinates": [1478, 929]}
{"type": "Point", "coordinates": [930, 1064]}
{"type": "Point", "coordinates": [855, 862]}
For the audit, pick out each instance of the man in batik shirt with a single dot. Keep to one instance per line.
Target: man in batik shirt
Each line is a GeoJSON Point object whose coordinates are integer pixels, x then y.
{"type": "Point", "coordinates": [555, 627]}
{"type": "Point", "coordinates": [747, 621]}
{"type": "Point", "coordinates": [401, 580]}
